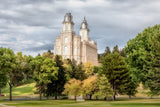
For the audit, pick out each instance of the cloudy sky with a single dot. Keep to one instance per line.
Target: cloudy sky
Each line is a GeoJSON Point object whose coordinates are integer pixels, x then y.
{"type": "Point", "coordinates": [31, 26]}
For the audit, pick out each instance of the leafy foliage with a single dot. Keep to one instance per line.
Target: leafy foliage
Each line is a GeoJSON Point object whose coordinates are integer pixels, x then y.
{"type": "Point", "coordinates": [105, 89]}
{"type": "Point", "coordinates": [115, 69]}
{"type": "Point", "coordinates": [56, 86]}
{"type": "Point", "coordinates": [144, 57]}
{"type": "Point", "coordinates": [73, 87]}
{"type": "Point", "coordinates": [90, 85]}
{"type": "Point", "coordinates": [44, 70]}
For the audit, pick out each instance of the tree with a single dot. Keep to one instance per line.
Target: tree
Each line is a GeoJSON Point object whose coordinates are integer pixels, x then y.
{"type": "Point", "coordinates": [143, 57]}
{"type": "Point", "coordinates": [107, 51]}
{"type": "Point", "coordinates": [27, 69]}
{"type": "Point", "coordinates": [90, 85]}
{"type": "Point", "coordinates": [105, 89]}
{"type": "Point", "coordinates": [97, 69]}
{"type": "Point", "coordinates": [9, 68]}
{"type": "Point", "coordinates": [73, 87]}
{"type": "Point", "coordinates": [115, 49]}
{"type": "Point", "coordinates": [56, 87]}
{"type": "Point", "coordinates": [44, 71]}
{"type": "Point", "coordinates": [3, 81]}
{"type": "Point", "coordinates": [122, 53]}
{"type": "Point", "coordinates": [48, 54]}
{"type": "Point", "coordinates": [88, 68]}
{"type": "Point", "coordinates": [153, 78]}
{"type": "Point", "coordinates": [73, 70]}
{"type": "Point", "coordinates": [3, 77]}
{"type": "Point", "coordinates": [115, 69]}
{"type": "Point", "coordinates": [131, 88]}
{"type": "Point", "coordinates": [22, 66]}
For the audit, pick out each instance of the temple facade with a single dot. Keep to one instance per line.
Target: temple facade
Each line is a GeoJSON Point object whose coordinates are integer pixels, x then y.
{"type": "Point", "coordinates": [79, 47]}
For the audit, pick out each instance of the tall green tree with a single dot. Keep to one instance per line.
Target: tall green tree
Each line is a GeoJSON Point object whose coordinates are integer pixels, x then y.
{"type": "Point", "coordinates": [115, 69]}
{"type": "Point", "coordinates": [44, 70]}
{"type": "Point", "coordinates": [131, 88]}
{"type": "Point", "coordinates": [3, 77]}
{"type": "Point", "coordinates": [116, 49]}
{"type": "Point", "coordinates": [106, 52]}
{"type": "Point", "coordinates": [9, 68]}
{"type": "Point", "coordinates": [3, 81]}
{"type": "Point", "coordinates": [73, 70]}
{"type": "Point", "coordinates": [56, 87]}
{"type": "Point", "coordinates": [143, 57]}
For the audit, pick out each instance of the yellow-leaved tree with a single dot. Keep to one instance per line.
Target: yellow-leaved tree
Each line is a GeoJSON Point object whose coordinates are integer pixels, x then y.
{"type": "Point", "coordinates": [73, 87]}
{"type": "Point", "coordinates": [90, 86]}
{"type": "Point", "coordinates": [88, 68]}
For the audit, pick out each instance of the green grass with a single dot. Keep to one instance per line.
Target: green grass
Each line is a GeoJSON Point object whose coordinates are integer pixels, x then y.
{"type": "Point", "coordinates": [72, 103]}
{"type": "Point", "coordinates": [27, 89]}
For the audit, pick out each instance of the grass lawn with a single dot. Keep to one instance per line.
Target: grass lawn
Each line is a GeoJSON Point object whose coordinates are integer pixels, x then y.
{"type": "Point", "coordinates": [24, 90]}
{"type": "Point", "coordinates": [72, 103]}
{"type": "Point", "coordinates": [28, 90]}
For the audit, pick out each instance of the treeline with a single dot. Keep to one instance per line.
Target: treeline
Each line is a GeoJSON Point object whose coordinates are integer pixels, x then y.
{"type": "Point", "coordinates": [120, 72]}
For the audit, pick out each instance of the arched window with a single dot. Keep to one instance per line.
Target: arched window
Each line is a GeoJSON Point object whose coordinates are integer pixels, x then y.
{"type": "Point", "coordinates": [65, 50]}
{"type": "Point", "coordinates": [65, 40]}
{"type": "Point", "coordinates": [75, 51]}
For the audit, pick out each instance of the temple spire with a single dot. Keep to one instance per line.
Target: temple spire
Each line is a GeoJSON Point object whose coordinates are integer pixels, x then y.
{"type": "Point", "coordinates": [68, 22]}
{"type": "Point", "coordinates": [84, 31]}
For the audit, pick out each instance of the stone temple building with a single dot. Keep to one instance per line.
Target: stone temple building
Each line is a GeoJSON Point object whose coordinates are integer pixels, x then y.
{"type": "Point", "coordinates": [71, 46]}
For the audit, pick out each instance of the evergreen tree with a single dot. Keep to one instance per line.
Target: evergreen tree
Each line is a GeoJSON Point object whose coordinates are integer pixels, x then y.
{"type": "Point", "coordinates": [73, 70]}
{"type": "Point", "coordinates": [56, 87]}
{"type": "Point", "coordinates": [122, 53]}
{"type": "Point", "coordinates": [115, 49]}
{"type": "Point", "coordinates": [107, 51]}
{"type": "Point", "coordinates": [105, 89]}
{"type": "Point", "coordinates": [115, 69]}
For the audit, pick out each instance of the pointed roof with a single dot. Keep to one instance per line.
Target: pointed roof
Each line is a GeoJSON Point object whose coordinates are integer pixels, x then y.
{"type": "Point", "coordinates": [68, 17]}
{"type": "Point", "coordinates": [85, 23]}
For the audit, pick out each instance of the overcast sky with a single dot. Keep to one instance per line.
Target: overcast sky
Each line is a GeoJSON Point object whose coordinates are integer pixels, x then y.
{"type": "Point", "coordinates": [31, 26]}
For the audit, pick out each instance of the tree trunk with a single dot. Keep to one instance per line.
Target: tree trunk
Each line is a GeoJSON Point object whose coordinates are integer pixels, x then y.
{"type": "Point", "coordinates": [47, 97]}
{"type": "Point", "coordinates": [114, 97]}
{"type": "Point", "coordinates": [75, 97]}
{"type": "Point", "coordinates": [0, 91]}
{"type": "Point", "coordinates": [90, 96]}
{"type": "Point", "coordinates": [10, 92]}
{"type": "Point", "coordinates": [129, 96]}
{"type": "Point", "coordinates": [114, 93]}
{"type": "Point", "coordinates": [40, 95]}
{"type": "Point", "coordinates": [56, 95]}
{"type": "Point", "coordinates": [106, 98]}
{"type": "Point", "coordinates": [96, 97]}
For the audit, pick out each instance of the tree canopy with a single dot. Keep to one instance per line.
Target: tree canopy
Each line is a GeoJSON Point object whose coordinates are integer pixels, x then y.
{"type": "Point", "coordinates": [143, 57]}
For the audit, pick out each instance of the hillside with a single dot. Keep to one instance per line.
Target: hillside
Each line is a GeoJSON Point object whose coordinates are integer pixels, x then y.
{"type": "Point", "coordinates": [24, 90]}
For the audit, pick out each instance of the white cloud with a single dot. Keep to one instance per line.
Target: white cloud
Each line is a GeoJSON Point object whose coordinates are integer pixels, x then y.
{"type": "Point", "coordinates": [32, 25]}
